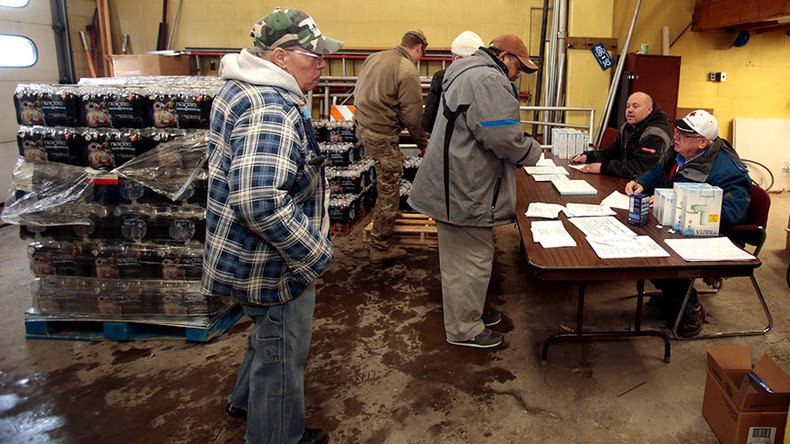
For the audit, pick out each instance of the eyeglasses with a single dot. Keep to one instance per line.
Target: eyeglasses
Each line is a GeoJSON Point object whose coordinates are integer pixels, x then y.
{"type": "Point", "coordinates": [318, 58]}
{"type": "Point", "coordinates": [521, 67]}
{"type": "Point", "coordinates": [685, 135]}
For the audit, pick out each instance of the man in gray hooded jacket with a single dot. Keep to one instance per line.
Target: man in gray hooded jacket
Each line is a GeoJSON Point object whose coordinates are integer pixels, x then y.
{"type": "Point", "coordinates": [266, 223]}
{"type": "Point", "coordinates": [466, 181]}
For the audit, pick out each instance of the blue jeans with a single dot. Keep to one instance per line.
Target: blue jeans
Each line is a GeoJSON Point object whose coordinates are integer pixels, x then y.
{"type": "Point", "coordinates": [271, 378]}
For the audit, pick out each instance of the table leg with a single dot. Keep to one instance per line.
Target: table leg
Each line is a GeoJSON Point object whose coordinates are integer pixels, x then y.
{"type": "Point", "coordinates": [580, 335]}
{"type": "Point", "coordinates": [682, 309]}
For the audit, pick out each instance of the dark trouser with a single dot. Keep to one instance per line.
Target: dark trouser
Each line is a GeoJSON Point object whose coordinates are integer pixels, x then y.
{"type": "Point", "coordinates": [675, 291]}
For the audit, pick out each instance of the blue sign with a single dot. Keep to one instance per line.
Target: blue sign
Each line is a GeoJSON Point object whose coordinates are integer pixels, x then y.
{"type": "Point", "coordinates": [602, 55]}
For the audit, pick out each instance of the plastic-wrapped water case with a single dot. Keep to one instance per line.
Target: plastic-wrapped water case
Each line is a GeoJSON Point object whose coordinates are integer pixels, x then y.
{"type": "Point", "coordinates": [55, 144]}
{"type": "Point", "coordinates": [410, 166]}
{"type": "Point", "coordinates": [186, 108]}
{"type": "Point", "coordinates": [339, 154]}
{"type": "Point", "coordinates": [112, 107]}
{"type": "Point", "coordinates": [348, 180]}
{"type": "Point", "coordinates": [405, 191]}
{"type": "Point", "coordinates": [335, 131]}
{"type": "Point", "coordinates": [106, 149]}
{"type": "Point", "coordinates": [116, 298]}
{"type": "Point", "coordinates": [343, 209]}
{"type": "Point", "coordinates": [48, 105]}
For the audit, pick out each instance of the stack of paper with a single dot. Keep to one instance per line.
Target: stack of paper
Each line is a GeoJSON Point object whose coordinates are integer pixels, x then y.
{"type": "Point", "coordinates": [542, 170]}
{"type": "Point", "coordinates": [587, 210]}
{"type": "Point", "coordinates": [549, 177]}
{"type": "Point", "coordinates": [574, 187]}
{"type": "Point", "coordinates": [544, 210]}
{"type": "Point", "coordinates": [543, 162]}
{"type": "Point", "coordinates": [616, 200]}
{"type": "Point", "coordinates": [602, 227]}
{"type": "Point", "coordinates": [708, 249]}
{"type": "Point", "coordinates": [618, 248]}
{"type": "Point", "coordinates": [551, 234]}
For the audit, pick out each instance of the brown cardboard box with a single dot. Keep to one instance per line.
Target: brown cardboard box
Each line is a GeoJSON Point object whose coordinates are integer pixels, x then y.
{"type": "Point", "coordinates": [151, 65]}
{"type": "Point", "coordinates": [737, 409]}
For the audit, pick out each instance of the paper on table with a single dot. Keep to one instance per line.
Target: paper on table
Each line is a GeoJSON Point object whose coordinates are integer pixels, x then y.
{"type": "Point", "coordinates": [639, 246]}
{"type": "Point", "coordinates": [544, 162]}
{"type": "Point", "coordinates": [708, 249]}
{"type": "Point", "coordinates": [549, 177]}
{"type": "Point", "coordinates": [574, 187]}
{"type": "Point", "coordinates": [551, 234]}
{"type": "Point", "coordinates": [576, 166]}
{"type": "Point", "coordinates": [533, 170]}
{"type": "Point", "coordinates": [607, 227]}
{"type": "Point", "coordinates": [616, 200]}
{"type": "Point", "coordinates": [544, 210]}
{"type": "Point", "coordinates": [587, 210]}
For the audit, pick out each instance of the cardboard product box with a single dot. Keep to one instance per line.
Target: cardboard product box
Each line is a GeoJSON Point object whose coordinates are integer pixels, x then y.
{"type": "Point", "coordinates": [680, 189]}
{"type": "Point", "coordinates": [664, 205]}
{"type": "Point", "coordinates": [736, 407]}
{"type": "Point", "coordinates": [702, 211]}
{"type": "Point", "coordinates": [151, 65]}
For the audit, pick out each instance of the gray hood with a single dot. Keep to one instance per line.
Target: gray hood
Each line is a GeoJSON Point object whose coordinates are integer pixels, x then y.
{"type": "Point", "coordinates": [252, 69]}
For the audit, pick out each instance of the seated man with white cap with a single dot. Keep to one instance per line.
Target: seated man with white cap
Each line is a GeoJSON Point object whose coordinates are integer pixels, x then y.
{"type": "Point", "coordinates": [701, 156]}
{"type": "Point", "coordinates": [464, 45]}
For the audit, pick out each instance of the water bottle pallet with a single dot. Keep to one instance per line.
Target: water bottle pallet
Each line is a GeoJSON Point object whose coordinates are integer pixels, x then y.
{"type": "Point", "coordinates": [45, 327]}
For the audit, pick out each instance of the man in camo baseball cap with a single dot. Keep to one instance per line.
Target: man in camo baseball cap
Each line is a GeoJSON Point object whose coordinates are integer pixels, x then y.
{"type": "Point", "coordinates": [285, 27]}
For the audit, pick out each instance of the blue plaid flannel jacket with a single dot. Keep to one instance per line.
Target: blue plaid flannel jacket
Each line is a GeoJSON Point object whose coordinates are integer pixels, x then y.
{"type": "Point", "coordinates": [266, 203]}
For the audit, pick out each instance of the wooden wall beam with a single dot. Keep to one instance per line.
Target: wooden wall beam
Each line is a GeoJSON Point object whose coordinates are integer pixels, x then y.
{"type": "Point", "coordinates": [710, 15]}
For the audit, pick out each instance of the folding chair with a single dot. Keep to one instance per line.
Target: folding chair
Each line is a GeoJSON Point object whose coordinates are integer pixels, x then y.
{"type": "Point", "coordinates": [752, 233]}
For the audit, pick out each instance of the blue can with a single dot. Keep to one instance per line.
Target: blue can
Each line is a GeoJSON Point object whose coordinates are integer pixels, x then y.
{"type": "Point", "coordinates": [638, 209]}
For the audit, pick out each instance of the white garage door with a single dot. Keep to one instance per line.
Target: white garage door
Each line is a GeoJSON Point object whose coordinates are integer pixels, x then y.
{"type": "Point", "coordinates": [31, 19]}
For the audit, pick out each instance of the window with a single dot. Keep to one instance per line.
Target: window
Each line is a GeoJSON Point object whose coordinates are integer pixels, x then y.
{"type": "Point", "coordinates": [18, 51]}
{"type": "Point", "coordinates": [14, 3]}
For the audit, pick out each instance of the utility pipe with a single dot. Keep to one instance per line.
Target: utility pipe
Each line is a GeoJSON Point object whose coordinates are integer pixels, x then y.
{"type": "Point", "coordinates": [616, 80]}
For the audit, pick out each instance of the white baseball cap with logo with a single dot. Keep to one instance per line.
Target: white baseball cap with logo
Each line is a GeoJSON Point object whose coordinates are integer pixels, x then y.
{"type": "Point", "coordinates": [700, 122]}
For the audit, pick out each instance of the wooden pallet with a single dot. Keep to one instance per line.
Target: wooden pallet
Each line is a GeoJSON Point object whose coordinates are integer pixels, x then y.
{"type": "Point", "coordinates": [42, 327]}
{"type": "Point", "coordinates": [411, 229]}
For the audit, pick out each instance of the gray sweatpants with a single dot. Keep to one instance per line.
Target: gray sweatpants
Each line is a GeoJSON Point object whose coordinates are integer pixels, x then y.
{"type": "Point", "coordinates": [466, 255]}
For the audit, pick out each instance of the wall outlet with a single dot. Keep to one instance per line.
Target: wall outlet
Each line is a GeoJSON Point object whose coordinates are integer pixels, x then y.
{"type": "Point", "coordinates": [786, 166]}
{"type": "Point", "coordinates": [717, 76]}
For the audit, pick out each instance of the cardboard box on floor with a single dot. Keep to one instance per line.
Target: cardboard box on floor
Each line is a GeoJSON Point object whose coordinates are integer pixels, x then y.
{"type": "Point", "coordinates": [737, 409]}
{"type": "Point", "coordinates": [151, 65]}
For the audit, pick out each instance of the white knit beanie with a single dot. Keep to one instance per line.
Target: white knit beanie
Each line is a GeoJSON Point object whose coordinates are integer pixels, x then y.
{"type": "Point", "coordinates": [466, 44]}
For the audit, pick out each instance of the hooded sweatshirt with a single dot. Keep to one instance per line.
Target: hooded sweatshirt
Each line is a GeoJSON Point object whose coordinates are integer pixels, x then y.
{"type": "Point", "coordinates": [265, 209]}
{"type": "Point", "coordinates": [467, 176]}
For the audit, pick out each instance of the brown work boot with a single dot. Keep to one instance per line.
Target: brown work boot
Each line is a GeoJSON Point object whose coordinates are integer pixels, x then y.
{"type": "Point", "coordinates": [691, 323]}
{"type": "Point", "coordinates": [390, 253]}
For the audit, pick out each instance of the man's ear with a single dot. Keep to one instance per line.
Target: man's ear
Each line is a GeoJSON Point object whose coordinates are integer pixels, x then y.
{"type": "Point", "coordinates": [278, 57]}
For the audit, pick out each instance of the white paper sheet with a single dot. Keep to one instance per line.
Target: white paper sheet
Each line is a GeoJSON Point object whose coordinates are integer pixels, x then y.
{"type": "Point", "coordinates": [544, 210]}
{"type": "Point", "coordinates": [551, 234]}
{"type": "Point", "coordinates": [616, 200]}
{"type": "Point", "coordinates": [574, 187]}
{"type": "Point", "coordinates": [543, 162]}
{"type": "Point", "coordinates": [614, 248]}
{"type": "Point", "coordinates": [576, 166]}
{"type": "Point", "coordinates": [533, 170]}
{"type": "Point", "coordinates": [549, 177]}
{"type": "Point", "coordinates": [605, 228]}
{"type": "Point", "coordinates": [695, 249]}
{"type": "Point", "coordinates": [587, 210]}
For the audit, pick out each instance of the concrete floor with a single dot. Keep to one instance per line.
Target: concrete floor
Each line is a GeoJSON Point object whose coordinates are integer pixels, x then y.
{"type": "Point", "coordinates": [380, 369]}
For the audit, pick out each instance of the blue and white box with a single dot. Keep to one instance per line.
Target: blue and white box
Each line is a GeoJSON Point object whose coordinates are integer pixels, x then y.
{"type": "Point", "coordinates": [638, 209]}
{"type": "Point", "coordinates": [702, 211]}
{"type": "Point", "coordinates": [664, 205]}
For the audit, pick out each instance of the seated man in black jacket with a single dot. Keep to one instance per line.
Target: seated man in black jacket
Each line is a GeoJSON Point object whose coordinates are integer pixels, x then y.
{"type": "Point", "coordinates": [643, 138]}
